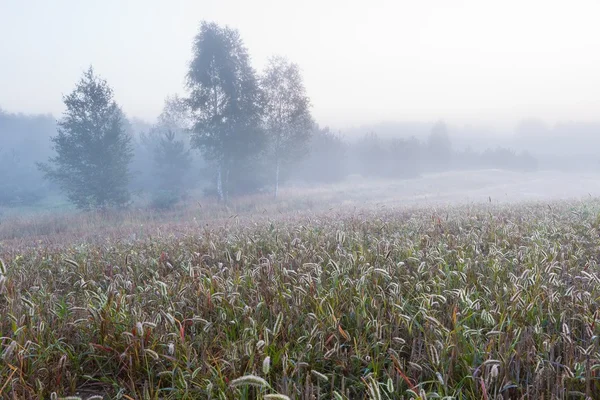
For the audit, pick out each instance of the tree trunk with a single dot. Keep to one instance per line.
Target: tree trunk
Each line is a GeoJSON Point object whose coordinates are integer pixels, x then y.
{"type": "Point", "coordinates": [277, 178]}
{"type": "Point", "coordinates": [226, 185]}
{"type": "Point", "coordinates": [220, 183]}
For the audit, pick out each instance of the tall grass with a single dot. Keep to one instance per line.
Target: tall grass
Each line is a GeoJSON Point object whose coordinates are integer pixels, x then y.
{"type": "Point", "coordinates": [468, 302]}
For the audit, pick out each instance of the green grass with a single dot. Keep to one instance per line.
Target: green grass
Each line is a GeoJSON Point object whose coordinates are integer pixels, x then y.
{"type": "Point", "coordinates": [470, 302]}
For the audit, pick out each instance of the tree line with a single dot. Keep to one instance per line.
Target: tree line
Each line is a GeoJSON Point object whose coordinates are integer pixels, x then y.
{"type": "Point", "coordinates": [238, 129]}
{"type": "Point", "coordinates": [239, 120]}
{"type": "Point", "coordinates": [332, 158]}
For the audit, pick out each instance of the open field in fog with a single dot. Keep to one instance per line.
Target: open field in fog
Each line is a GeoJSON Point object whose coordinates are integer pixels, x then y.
{"type": "Point", "coordinates": [27, 227]}
{"type": "Point", "coordinates": [311, 297]}
{"type": "Point", "coordinates": [458, 187]}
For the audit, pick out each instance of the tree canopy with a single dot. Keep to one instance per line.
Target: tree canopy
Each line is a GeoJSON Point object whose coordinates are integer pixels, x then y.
{"type": "Point", "coordinates": [93, 149]}
{"type": "Point", "coordinates": [225, 101]}
{"type": "Point", "coordinates": [287, 116]}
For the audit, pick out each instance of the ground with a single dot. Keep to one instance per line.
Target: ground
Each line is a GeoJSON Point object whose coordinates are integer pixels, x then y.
{"type": "Point", "coordinates": [366, 290]}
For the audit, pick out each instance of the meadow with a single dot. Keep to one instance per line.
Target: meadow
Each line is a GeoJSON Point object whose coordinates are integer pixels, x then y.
{"type": "Point", "coordinates": [292, 299]}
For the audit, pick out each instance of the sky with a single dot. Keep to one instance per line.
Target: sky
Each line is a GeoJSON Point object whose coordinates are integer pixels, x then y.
{"type": "Point", "coordinates": [463, 61]}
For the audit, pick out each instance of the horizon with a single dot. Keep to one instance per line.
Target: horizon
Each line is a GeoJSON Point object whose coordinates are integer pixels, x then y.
{"type": "Point", "coordinates": [382, 128]}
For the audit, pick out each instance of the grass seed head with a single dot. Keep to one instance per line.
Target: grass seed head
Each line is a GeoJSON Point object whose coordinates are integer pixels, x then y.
{"type": "Point", "coordinates": [266, 365]}
{"type": "Point", "coordinates": [250, 380]}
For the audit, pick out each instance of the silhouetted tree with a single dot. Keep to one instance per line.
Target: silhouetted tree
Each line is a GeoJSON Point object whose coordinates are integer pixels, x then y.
{"type": "Point", "coordinates": [172, 153]}
{"type": "Point", "coordinates": [327, 160]}
{"type": "Point", "coordinates": [439, 146]}
{"type": "Point", "coordinates": [176, 117]}
{"type": "Point", "coordinates": [405, 157]}
{"type": "Point", "coordinates": [388, 157]}
{"type": "Point", "coordinates": [527, 162]}
{"type": "Point", "coordinates": [93, 149]}
{"type": "Point", "coordinates": [467, 159]}
{"type": "Point", "coordinates": [504, 158]}
{"type": "Point", "coordinates": [371, 155]}
{"type": "Point", "coordinates": [288, 121]}
{"type": "Point", "coordinates": [172, 162]}
{"type": "Point", "coordinates": [225, 102]}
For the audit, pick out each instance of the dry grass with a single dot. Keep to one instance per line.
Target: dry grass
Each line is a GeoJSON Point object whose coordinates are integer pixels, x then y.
{"type": "Point", "coordinates": [472, 302]}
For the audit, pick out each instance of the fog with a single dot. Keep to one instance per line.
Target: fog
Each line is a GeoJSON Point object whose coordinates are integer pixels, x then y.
{"type": "Point", "coordinates": [409, 102]}
{"type": "Point", "coordinates": [463, 61]}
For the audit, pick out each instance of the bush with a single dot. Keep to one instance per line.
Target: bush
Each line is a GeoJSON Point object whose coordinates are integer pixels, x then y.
{"type": "Point", "coordinates": [164, 199]}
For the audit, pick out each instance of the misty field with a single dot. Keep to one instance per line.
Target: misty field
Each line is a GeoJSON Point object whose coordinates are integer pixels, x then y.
{"type": "Point", "coordinates": [468, 302]}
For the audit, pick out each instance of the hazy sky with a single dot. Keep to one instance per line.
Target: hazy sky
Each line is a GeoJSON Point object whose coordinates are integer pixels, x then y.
{"type": "Point", "coordinates": [363, 61]}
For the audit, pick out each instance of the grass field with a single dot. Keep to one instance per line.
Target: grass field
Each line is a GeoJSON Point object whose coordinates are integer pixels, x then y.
{"type": "Point", "coordinates": [473, 301]}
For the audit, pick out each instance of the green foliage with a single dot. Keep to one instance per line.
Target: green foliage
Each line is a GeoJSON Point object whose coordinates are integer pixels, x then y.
{"type": "Point", "coordinates": [164, 199]}
{"type": "Point", "coordinates": [165, 159]}
{"type": "Point", "coordinates": [225, 100]}
{"type": "Point", "coordinates": [172, 161]}
{"type": "Point", "coordinates": [93, 149]}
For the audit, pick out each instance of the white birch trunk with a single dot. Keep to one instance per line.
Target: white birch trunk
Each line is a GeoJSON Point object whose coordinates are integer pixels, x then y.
{"type": "Point", "coordinates": [226, 185]}
{"type": "Point", "coordinates": [220, 183]}
{"type": "Point", "coordinates": [277, 178]}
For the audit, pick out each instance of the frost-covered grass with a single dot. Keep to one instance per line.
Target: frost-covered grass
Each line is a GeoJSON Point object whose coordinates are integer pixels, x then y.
{"type": "Point", "coordinates": [473, 302]}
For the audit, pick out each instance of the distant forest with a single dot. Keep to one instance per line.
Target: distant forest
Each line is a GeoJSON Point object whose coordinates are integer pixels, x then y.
{"type": "Point", "coordinates": [237, 131]}
{"type": "Point", "coordinates": [331, 157]}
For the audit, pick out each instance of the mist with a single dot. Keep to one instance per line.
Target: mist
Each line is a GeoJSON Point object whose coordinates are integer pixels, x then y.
{"type": "Point", "coordinates": [396, 94]}
{"type": "Point", "coordinates": [465, 62]}
{"type": "Point", "coordinates": [233, 199]}
{"type": "Point", "coordinates": [414, 163]}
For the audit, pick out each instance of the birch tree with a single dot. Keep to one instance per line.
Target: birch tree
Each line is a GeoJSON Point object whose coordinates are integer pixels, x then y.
{"type": "Point", "coordinates": [225, 101]}
{"type": "Point", "coordinates": [288, 122]}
